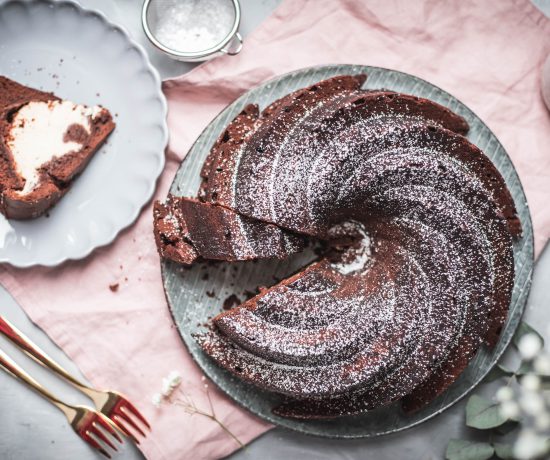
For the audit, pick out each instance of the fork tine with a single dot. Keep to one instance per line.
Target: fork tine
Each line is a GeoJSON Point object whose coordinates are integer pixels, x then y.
{"type": "Point", "coordinates": [96, 431]}
{"type": "Point", "coordinates": [96, 445]}
{"type": "Point", "coordinates": [108, 427]}
{"type": "Point", "coordinates": [132, 409]}
{"type": "Point", "coordinates": [120, 424]}
{"type": "Point", "coordinates": [130, 422]}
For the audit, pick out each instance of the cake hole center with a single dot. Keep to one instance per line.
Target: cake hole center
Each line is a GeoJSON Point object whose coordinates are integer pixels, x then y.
{"type": "Point", "coordinates": [349, 247]}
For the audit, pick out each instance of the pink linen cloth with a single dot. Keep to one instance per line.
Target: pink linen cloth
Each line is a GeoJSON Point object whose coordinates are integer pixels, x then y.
{"type": "Point", "coordinates": [488, 54]}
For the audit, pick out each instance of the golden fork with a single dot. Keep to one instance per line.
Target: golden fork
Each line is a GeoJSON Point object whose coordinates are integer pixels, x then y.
{"type": "Point", "coordinates": [112, 404]}
{"type": "Point", "coordinates": [92, 426]}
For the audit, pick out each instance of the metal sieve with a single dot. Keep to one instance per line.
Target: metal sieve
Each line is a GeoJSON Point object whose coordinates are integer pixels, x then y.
{"type": "Point", "coordinates": [193, 30]}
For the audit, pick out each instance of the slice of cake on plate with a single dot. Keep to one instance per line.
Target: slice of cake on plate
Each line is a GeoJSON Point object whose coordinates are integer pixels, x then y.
{"type": "Point", "coordinates": [45, 142]}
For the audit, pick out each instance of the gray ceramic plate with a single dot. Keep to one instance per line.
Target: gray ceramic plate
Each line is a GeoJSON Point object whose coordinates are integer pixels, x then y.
{"type": "Point", "coordinates": [78, 54]}
{"type": "Point", "coordinates": [195, 295]}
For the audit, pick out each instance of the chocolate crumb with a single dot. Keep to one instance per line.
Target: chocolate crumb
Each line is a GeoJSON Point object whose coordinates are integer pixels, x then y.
{"type": "Point", "coordinates": [114, 287]}
{"type": "Point", "coordinates": [211, 293]}
{"type": "Point", "coordinates": [249, 294]}
{"type": "Point", "coordinates": [231, 301]}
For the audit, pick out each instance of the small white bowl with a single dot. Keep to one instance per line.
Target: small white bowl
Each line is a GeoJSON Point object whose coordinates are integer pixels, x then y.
{"type": "Point", "coordinates": [231, 44]}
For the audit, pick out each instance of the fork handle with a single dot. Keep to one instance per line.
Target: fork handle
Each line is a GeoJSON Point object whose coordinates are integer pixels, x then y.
{"type": "Point", "coordinates": [31, 349]}
{"type": "Point", "coordinates": [12, 368]}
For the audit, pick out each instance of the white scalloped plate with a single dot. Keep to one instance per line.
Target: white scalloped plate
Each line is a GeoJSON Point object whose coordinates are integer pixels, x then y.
{"type": "Point", "coordinates": [79, 55]}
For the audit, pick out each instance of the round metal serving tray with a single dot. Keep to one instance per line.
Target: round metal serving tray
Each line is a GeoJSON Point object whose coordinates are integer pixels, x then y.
{"type": "Point", "coordinates": [197, 294]}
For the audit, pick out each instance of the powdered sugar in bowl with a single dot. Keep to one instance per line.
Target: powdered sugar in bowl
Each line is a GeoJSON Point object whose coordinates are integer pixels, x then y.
{"type": "Point", "coordinates": [193, 30]}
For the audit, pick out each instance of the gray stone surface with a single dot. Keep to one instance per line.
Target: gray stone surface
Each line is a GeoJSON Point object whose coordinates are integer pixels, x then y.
{"type": "Point", "coordinates": [32, 429]}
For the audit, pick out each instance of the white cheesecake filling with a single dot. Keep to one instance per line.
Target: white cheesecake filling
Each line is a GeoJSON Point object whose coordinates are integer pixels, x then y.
{"type": "Point", "coordinates": [37, 135]}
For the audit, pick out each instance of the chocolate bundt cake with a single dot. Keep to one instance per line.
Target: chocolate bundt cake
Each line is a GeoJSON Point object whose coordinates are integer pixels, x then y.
{"type": "Point", "coordinates": [418, 227]}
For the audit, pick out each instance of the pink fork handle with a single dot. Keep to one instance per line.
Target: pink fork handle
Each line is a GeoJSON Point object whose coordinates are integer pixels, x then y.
{"type": "Point", "coordinates": [11, 332]}
{"type": "Point", "coordinates": [8, 365]}
{"type": "Point", "coordinates": [11, 367]}
{"type": "Point", "coordinates": [22, 342]}
{"type": "Point", "coordinates": [8, 330]}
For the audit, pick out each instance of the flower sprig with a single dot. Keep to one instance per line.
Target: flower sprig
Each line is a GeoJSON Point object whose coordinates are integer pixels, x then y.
{"type": "Point", "coordinates": [521, 406]}
{"type": "Point", "coordinates": [171, 393]}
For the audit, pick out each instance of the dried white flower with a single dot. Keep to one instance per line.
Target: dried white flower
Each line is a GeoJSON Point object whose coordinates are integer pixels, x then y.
{"type": "Point", "coordinates": [170, 383]}
{"type": "Point", "coordinates": [532, 403]}
{"type": "Point", "coordinates": [504, 394]}
{"type": "Point", "coordinates": [175, 379]}
{"type": "Point", "coordinates": [509, 410]}
{"type": "Point", "coordinates": [542, 421]}
{"type": "Point", "coordinates": [542, 364]}
{"type": "Point", "coordinates": [530, 382]}
{"type": "Point", "coordinates": [157, 399]}
{"type": "Point", "coordinates": [529, 346]}
{"type": "Point", "coordinates": [166, 388]}
{"type": "Point", "coordinates": [529, 445]}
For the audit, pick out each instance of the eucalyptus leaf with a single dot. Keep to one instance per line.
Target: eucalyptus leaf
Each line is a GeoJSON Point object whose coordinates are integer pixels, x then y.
{"type": "Point", "coordinates": [483, 414]}
{"type": "Point", "coordinates": [525, 368]}
{"type": "Point", "coordinates": [545, 382]}
{"type": "Point", "coordinates": [507, 427]}
{"type": "Point", "coordinates": [504, 451]}
{"type": "Point", "coordinates": [524, 329]}
{"type": "Point", "coordinates": [496, 373]}
{"type": "Point", "coordinates": [459, 449]}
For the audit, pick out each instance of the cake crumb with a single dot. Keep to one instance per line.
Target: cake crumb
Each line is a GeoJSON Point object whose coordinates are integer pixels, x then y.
{"type": "Point", "coordinates": [249, 294]}
{"type": "Point", "coordinates": [114, 287]}
{"type": "Point", "coordinates": [231, 301]}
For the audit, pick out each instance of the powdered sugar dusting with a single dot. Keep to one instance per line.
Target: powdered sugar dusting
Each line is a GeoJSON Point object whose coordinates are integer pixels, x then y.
{"type": "Point", "coordinates": [360, 254]}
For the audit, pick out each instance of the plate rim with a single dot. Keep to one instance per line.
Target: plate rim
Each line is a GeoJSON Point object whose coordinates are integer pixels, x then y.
{"type": "Point", "coordinates": [109, 237]}
{"type": "Point", "coordinates": [529, 243]}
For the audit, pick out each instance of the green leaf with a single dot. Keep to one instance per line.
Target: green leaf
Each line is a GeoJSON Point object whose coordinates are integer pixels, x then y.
{"type": "Point", "coordinates": [507, 427]}
{"type": "Point", "coordinates": [496, 373]}
{"type": "Point", "coordinates": [525, 368]}
{"type": "Point", "coordinates": [504, 451]}
{"type": "Point", "coordinates": [524, 329]}
{"type": "Point", "coordinates": [483, 414]}
{"type": "Point", "coordinates": [545, 382]}
{"type": "Point", "coordinates": [459, 449]}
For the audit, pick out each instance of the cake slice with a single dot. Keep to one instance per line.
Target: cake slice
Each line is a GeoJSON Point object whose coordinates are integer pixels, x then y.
{"type": "Point", "coordinates": [186, 229]}
{"type": "Point", "coordinates": [45, 142]}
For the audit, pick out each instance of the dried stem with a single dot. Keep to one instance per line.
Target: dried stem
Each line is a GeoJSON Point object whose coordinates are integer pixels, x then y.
{"type": "Point", "coordinates": [190, 407]}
